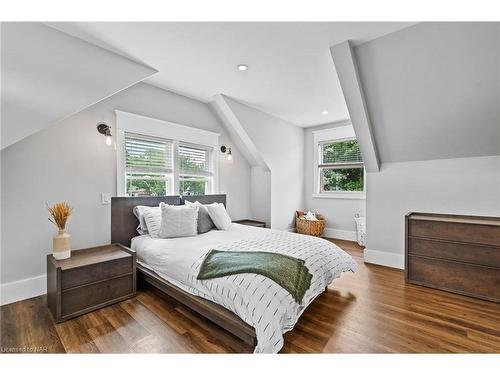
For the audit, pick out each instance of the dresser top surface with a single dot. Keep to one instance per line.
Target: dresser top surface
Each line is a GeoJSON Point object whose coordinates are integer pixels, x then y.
{"type": "Point", "coordinates": [482, 220]}
{"type": "Point", "coordinates": [93, 255]}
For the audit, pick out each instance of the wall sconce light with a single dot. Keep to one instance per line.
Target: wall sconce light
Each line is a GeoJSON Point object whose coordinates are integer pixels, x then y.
{"type": "Point", "coordinates": [106, 131]}
{"type": "Point", "coordinates": [227, 150]}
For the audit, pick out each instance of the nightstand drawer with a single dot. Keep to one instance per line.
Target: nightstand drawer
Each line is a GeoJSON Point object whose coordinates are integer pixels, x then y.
{"type": "Point", "coordinates": [95, 272]}
{"type": "Point", "coordinates": [90, 279]}
{"type": "Point", "coordinates": [93, 295]}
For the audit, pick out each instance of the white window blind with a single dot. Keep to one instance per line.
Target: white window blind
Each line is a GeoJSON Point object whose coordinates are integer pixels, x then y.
{"type": "Point", "coordinates": [148, 165]}
{"type": "Point", "coordinates": [147, 154]}
{"type": "Point", "coordinates": [194, 161]}
{"type": "Point", "coordinates": [341, 167]}
{"type": "Point", "coordinates": [340, 154]}
{"type": "Point", "coordinates": [156, 167]}
{"type": "Point", "coordinates": [195, 169]}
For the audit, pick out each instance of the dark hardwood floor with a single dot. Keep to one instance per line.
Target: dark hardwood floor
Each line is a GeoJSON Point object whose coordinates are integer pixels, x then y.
{"type": "Point", "coordinates": [371, 311]}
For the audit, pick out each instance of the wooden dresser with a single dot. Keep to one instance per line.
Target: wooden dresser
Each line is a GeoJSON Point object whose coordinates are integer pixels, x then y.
{"type": "Point", "coordinates": [92, 278]}
{"type": "Point", "coordinates": [459, 254]}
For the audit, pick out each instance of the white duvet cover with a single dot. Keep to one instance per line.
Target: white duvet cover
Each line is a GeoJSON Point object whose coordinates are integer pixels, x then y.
{"type": "Point", "coordinates": [256, 299]}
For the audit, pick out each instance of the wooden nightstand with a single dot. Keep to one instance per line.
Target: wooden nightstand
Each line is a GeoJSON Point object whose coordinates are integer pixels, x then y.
{"type": "Point", "coordinates": [253, 223]}
{"type": "Point", "coordinates": [92, 278]}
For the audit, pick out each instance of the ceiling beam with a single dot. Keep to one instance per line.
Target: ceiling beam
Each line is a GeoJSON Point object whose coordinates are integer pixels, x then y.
{"type": "Point", "coordinates": [347, 71]}
{"type": "Point", "coordinates": [237, 132]}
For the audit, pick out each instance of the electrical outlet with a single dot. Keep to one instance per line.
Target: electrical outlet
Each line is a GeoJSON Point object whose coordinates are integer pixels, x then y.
{"type": "Point", "coordinates": [105, 198]}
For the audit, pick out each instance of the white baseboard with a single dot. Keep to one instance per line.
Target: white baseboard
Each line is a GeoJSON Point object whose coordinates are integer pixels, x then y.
{"type": "Point", "coordinates": [384, 258]}
{"type": "Point", "coordinates": [340, 234]}
{"type": "Point", "coordinates": [23, 289]}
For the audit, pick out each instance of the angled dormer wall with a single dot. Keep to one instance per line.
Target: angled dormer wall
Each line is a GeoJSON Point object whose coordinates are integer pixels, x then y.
{"type": "Point", "coordinates": [432, 94]}
{"type": "Point", "coordinates": [48, 75]}
{"type": "Point", "coordinates": [260, 176]}
{"type": "Point", "coordinates": [433, 91]}
{"type": "Point", "coordinates": [277, 155]}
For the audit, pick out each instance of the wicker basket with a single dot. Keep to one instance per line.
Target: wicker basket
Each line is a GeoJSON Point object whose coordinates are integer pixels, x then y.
{"type": "Point", "coordinates": [312, 228]}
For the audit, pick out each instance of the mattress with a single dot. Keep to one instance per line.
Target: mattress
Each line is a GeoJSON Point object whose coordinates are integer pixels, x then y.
{"type": "Point", "coordinates": [257, 300]}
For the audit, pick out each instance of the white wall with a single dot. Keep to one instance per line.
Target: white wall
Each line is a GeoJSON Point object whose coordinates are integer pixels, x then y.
{"type": "Point", "coordinates": [433, 90]}
{"type": "Point", "coordinates": [70, 162]}
{"type": "Point", "coordinates": [453, 186]}
{"type": "Point", "coordinates": [260, 194]}
{"type": "Point", "coordinates": [339, 212]}
{"type": "Point", "coordinates": [281, 145]}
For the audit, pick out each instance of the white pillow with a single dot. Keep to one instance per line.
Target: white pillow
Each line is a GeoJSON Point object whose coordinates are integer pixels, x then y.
{"type": "Point", "coordinates": [178, 221]}
{"type": "Point", "coordinates": [219, 215]}
{"type": "Point", "coordinates": [139, 214]}
{"type": "Point", "coordinates": [152, 218]}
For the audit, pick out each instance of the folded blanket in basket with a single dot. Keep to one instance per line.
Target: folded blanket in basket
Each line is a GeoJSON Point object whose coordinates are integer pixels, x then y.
{"type": "Point", "coordinates": [288, 272]}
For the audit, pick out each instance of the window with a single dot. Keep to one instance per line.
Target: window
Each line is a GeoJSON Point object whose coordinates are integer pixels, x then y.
{"type": "Point", "coordinates": [195, 173]}
{"type": "Point", "coordinates": [341, 167]}
{"type": "Point", "coordinates": [148, 166]}
{"type": "Point", "coordinates": [338, 165]}
{"type": "Point", "coordinates": [156, 167]}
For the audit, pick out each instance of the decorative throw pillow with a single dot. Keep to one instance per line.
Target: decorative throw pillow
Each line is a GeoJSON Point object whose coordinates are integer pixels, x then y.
{"type": "Point", "coordinates": [219, 215]}
{"type": "Point", "coordinates": [152, 219]}
{"type": "Point", "coordinates": [139, 214]}
{"type": "Point", "coordinates": [205, 224]}
{"type": "Point", "coordinates": [178, 221]}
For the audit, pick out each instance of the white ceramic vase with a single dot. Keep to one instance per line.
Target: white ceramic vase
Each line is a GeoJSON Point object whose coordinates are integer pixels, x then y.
{"type": "Point", "coordinates": [61, 245]}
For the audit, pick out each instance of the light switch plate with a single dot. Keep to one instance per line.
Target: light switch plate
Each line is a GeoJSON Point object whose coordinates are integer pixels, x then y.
{"type": "Point", "coordinates": [105, 198]}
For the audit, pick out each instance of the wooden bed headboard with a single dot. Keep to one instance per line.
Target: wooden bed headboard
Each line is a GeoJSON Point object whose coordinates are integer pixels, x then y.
{"type": "Point", "coordinates": [124, 223]}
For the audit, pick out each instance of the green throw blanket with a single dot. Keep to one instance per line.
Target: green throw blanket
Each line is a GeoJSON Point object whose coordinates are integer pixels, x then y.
{"type": "Point", "coordinates": [288, 272]}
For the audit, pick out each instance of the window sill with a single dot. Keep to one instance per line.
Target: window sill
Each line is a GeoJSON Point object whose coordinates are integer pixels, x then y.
{"type": "Point", "coordinates": [340, 195]}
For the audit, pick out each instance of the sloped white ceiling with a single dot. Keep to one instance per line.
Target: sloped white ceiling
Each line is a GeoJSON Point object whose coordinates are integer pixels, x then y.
{"type": "Point", "coordinates": [290, 73]}
{"type": "Point", "coordinates": [433, 91]}
{"type": "Point", "coordinates": [48, 75]}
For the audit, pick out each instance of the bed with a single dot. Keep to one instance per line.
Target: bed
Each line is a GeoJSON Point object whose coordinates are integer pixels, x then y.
{"type": "Point", "coordinates": [250, 306]}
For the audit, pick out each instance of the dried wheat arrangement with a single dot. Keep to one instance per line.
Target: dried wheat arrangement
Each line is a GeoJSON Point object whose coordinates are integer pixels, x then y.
{"type": "Point", "coordinates": [59, 213]}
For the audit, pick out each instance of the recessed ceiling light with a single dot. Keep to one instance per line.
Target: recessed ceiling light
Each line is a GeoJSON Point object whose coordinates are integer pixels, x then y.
{"type": "Point", "coordinates": [325, 112]}
{"type": "Point", "coordinates": [242, 67]}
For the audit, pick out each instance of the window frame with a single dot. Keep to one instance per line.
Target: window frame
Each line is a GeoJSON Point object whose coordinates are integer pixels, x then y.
{"type": "Point", "coordinates": [334, 135]}
{"type": "Point", "coordinates": [209, 174]}
{"type": "Point", "coordinates": [169, 173]}
{"type": "Point", "coordinates": [176, 134]}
